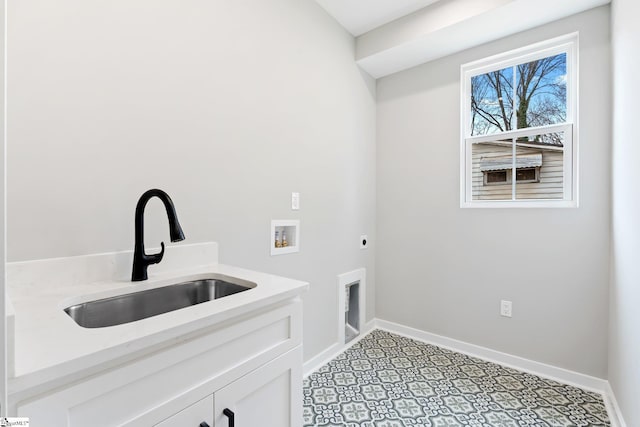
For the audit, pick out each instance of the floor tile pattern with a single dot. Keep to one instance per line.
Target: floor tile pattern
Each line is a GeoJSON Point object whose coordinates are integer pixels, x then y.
{"type": "Point", "coordinates": [386, 380]}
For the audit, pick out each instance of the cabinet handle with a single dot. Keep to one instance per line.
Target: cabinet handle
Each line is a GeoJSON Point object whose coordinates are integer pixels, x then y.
{"type": "Point", "coordinates": [204, 424]}
{"type": "Point", "coordinates": [229, 413]}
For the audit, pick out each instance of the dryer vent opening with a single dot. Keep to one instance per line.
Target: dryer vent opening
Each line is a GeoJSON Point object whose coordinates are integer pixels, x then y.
{"type": "Point", "coordinates": [351, 311]}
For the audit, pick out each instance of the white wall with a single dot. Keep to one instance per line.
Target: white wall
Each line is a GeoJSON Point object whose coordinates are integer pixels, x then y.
{"type": "Point", "coordinates": [3, 293]}
{"type": "Point", "coordinates": [624, 340]}
{"type": "Point", "coordinates": [444, 269]}
{"type": "Point", "coordinates": [229, 106]}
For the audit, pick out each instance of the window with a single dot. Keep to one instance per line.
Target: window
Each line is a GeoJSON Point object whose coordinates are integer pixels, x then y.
{"type": "Point", "coordinates": [493, 178]}
{"type": "Point", "coordinates": [503, 177]}
{"type": "Point", "coordinates": [519, 115]}
{"type": "Point", "coordinates": [528, 175]}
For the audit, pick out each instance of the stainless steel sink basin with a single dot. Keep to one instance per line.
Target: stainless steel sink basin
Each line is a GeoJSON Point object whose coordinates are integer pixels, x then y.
{"type": "Point", "coordinates": [140, 305]}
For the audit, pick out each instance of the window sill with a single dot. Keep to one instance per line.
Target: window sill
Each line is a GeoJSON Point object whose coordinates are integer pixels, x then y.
{"type": "Point", "coordinates": [500, 204]}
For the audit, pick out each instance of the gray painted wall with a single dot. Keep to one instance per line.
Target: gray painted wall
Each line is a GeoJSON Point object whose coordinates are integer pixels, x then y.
{"type": "Point", "coordinates": [624, 341]}
{"type": "Point", "coordinates": [229, 106]}
{"type": "Point", "coordinates": [3, 259]}
{"type": "Point", "coordinates": [444, 269]}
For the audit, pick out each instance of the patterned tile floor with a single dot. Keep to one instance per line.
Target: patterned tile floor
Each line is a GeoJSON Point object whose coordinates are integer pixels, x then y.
{"type": "Point", "coordinates": [386, 380]}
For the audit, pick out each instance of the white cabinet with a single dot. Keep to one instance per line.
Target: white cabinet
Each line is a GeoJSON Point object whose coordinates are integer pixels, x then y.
{"type": "Point", "coordinates": [193, 416]}
{"type": "Point", "coordinates": [251, 365]}
{"type": "Point", "coordinates": [267, 397]}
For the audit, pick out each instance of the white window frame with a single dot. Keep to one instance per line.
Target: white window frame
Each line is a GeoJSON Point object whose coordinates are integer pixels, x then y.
{"type": "Point", "coordinates": [567, 44]}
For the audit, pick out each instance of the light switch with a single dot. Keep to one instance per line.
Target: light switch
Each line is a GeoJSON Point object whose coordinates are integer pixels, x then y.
{"type": "Point", "coordinates": [295, 201]}
{"type": "Point", "coordinates": [506, 308]}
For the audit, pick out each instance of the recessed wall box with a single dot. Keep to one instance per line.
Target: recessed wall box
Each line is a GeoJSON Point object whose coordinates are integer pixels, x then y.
{"type": "Point", "coordinates": [284, 237]}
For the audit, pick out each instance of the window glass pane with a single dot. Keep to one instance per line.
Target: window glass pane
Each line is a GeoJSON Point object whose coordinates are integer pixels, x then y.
{"type": "Point", "coordinates": [492, 102]}
{"type": "Point", "coordinates": [497, 177]}
{"type": "Point", "coordinates": [492, 164]}
{"type": "Point", "coordinates": [526, 174]}
{"type": "Point", "coordinates": [541, 92]}
{"type": "Point", "coordinates": [540, 167]}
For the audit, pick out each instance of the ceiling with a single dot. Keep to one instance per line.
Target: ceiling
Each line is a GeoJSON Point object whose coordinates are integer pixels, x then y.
{"type": "Point", "coordinates": [394, 35]}
{"type": "Point", "coordinates": [360, 16]}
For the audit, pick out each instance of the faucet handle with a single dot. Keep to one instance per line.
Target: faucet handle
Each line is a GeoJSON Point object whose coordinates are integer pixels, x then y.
{"type": "Point", "coordinates": [155, 258]}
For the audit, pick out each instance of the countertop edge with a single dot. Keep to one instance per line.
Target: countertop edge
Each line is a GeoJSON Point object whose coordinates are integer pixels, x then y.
{"type": "Point", "coordinates": [55, 376]}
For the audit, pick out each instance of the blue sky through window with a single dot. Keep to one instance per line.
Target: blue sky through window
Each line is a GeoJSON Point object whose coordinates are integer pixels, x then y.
{"type": "Point", "coordinates": [537, 99]}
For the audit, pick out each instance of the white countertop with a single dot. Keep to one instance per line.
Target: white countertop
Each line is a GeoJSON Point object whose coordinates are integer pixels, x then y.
{"type": "Point", "coordinates": [49, 346]}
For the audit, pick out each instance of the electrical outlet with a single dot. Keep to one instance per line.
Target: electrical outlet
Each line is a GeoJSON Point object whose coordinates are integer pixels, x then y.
{"type": "Point", "coordinates": [364, 242]}
{"type": "Point", "coordinates": [505, 308]}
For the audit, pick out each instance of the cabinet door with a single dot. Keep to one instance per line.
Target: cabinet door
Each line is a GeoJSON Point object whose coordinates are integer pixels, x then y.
{"type": "Point", "coordinates": [270, 396]}
{"type": "Point", "coordinates": [192, 416]}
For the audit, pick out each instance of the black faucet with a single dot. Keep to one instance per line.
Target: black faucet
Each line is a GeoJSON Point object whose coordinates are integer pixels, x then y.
{"type": "Point", "coordinates": [141, 260]}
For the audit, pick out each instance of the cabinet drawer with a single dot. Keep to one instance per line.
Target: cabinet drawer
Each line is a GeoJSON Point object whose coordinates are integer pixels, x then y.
{"type": "Point", "coordinates": [193, 416]}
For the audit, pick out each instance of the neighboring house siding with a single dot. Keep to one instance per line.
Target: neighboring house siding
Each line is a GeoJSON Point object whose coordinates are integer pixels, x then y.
{"type": "Point", "coordinates": [549, 187]}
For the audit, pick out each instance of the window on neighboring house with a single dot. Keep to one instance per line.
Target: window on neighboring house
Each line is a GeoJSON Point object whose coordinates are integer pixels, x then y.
{"type": "Point", "coordinates": [527, 175]}
{"type": "Point", "coordinates": [496, 177]}
{"type": "Point", "coordinates": [519, 119]}
{"type": "Point", "coordinates": [503, 177]}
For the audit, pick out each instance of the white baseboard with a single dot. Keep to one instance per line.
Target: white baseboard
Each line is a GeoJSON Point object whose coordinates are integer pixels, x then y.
{"type": "Point", "coordinates": [333, 350]}
{"type": "Point", "coordinates": [615, 415]}
{"type": "Point", "coordinates": [565, 376]}
{"type": "Point", "coordinates": [321, 359]}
